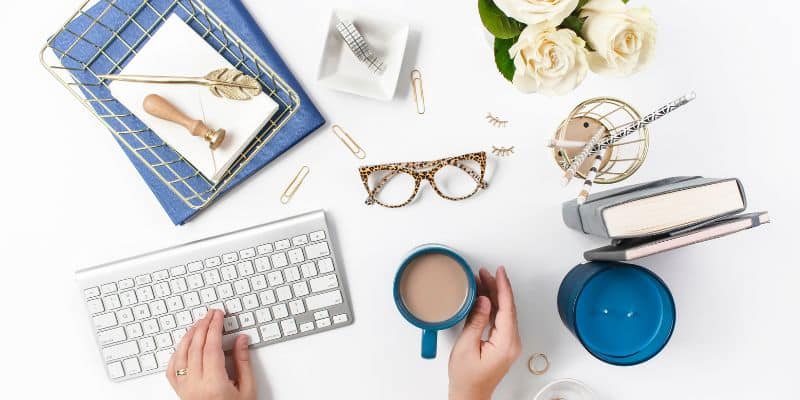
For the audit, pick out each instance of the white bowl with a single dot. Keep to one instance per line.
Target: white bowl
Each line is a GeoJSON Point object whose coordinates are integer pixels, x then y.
{"type": "Point", "coordinates": [565, 389]}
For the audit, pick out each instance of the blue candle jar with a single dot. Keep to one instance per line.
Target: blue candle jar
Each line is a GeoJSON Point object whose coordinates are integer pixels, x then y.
{"type": "Point", "coordinates": [623, 314]}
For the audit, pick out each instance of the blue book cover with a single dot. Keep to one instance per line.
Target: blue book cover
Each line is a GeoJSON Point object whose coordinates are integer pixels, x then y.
{"type": "Point", "coordinates": [79, 53]}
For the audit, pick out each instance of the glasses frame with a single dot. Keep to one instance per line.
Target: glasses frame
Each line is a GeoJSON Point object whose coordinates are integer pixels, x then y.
{"type": "Point", "coordinates": [428, 173]}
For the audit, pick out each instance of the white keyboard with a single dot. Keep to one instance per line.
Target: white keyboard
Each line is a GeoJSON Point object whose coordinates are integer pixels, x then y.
{"type": "Point", "coordinates": [275, 282]}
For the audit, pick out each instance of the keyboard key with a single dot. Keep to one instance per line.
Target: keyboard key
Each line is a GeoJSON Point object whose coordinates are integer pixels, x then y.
{"type": "Point", "coordinates": [141, 311]}
{"type": "Point", "coordinates": [177, 270]}
{"type": "Point", "coordinates": [161, 289]}
{"type": "Point", "coordinates": [322, 323]}
{"type": "Point", "coordinates": [280, 311]}
{"type": "Point", "coordinates": [228, 258]}
{"type": "Point", "coordinates": [115, 370]}
{"type": "Point", "coordinates": [275, 278]}
{"type": "Point", "coordinates": [160, 275]}
{"type": "Point", "coordinates": [296, 307]}
{"type": "Point", "coordinates": [267, 297]}
{"type": "Point", "coordinates": [263, 315]}
{"type": "Point", "coordinates": [325, 265]}
{"type": "Point", "coordinates": [124, 316]}
{"type": "Point", "coordinates": [308, 270]}
{"type": "Point", "coordinates": [208, 295]}
{"type": "Point", "coordinates": [167, 322]}
{"type": "Point", "coordinates": [282, 244]}
{"type": "Point", "coordinates": [199, 313]}
{"type": "Point", "coordinates": [194, 266]}
{"type": "Point", "coordinates": [148, 362]}
{"type": "Point", "coordinates": [247, 319]}
{"type": "Point", "coordinates": [184, 318]}
{"type": "Point", "coordinates": [230, 324]}
{"type": "Point", "coordinates": [270, 331]}
{"type": "Point", "coordinates": [108, 288]}
{"type": "Point", "coordinates": [300, 240]}
{"type": "Point", "coordinates": [111, 336]}
{"type": "Point", "coordinates": [128, 298]}
{"type": "Point", "coordinates": [292, 274]}
{"type": "Point", "coordinates": [191, 299]}
{"type": "Point", "coordinates": [91, 292]}
{"type": "Point", "coordinates": [163, 340]}
{"type": "Point", "coordinates": [247, 253]}
{"type": "Point", "coordinates": [250, 301]}
{"type": "Point", "coordinates": [147, 344]}
{"type": "Point", "coordinates": [300, 289]}
{"type": "Point", "coordinates": [125, 284]}
{"type": "Point", "coordinates": [178, 285]}
{"type": "Point", "coordinates": [317, 250]}
{"type": "Point", "coordinates": [149, 326]}
{"type": "Point", "coordinates": [225, 291]}
{"type": "Point", "coordinates": [321, 314]}
{"type": "Point", "coordinates": [296, 256]}
{"type": "Point", "coordinates": [217, 306]}
{"type": "Point", "coordinates": [245, 268]}
{"type": "Point", "coordinates": [111, 302]}
{"type": "Point", "coordinates": [265, 248]}
{"type": "Point", "coordinates": [134, 330]}
{"type": "Point", "coordinates": [194, 281]}
{"type": "Point", "coordinates": [143, 279]}
{"type": "Point", "coordinates": [228, 272]}
{"type": "Point", "coordinates": [284, 293]}
{"type": "Point", "coordinates": [279, 260]}
{"type": "Point", "coordinates": [212, 277]}
{"type": "Point", "coordinates": [289, 327]}
{"type": "Point", "coordinates": [262, 264]}
{"type": "Point", "coordinates": [307, 326]}
{"type": "Point", "coordinates": [233, 306]}
{"type": "Point", "coordinates": [323, 283]}
{"type": "Point", "coordinates": [229, 340]}
{"type": "Point", "coordinates": [213, 262]}
{"type": "Point", "coordinates": [174, 303]}
{"type": "Point", "coordinates": [339, 318]}
{"type": "Point", "coordinates": [158, 307]}
{"type": "Point", "coordinates": [119, 351]}
{"type": "Point", "coordinates": [241, 286]}
{"type": "Point", "coordinates": [324, 300]}
{"type": "Point", "coordinates": [95, 306]}
{"type": "Point", "coordinates": [145, 293]}
{"type": "Point", "coordinates": [163, 356]}
{"type": "Point", "coordinates": [258, 282]}
{"type": "Point", "coordinates": [177, 335]}
{"type": "Point", "coordinates": [318, 235]}
{"type": "Point", "coordinates": [104, 321]}
{"type": "Point", "coordinates": [131, 366]}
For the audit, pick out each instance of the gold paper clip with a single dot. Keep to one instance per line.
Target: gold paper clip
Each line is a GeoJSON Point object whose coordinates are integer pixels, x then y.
{"type": "Point", "coordinates": [348, 141]}
{"type": "Point", "coordinates": [294, 184]}
{"type": "Point", "coordinates": [416, 88]}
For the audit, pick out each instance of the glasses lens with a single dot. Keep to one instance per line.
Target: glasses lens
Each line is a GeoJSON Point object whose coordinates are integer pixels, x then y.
{"type": "Point", "coordinates": [391, 188]}
{"type": "Point", "coordinates": [460, 179]}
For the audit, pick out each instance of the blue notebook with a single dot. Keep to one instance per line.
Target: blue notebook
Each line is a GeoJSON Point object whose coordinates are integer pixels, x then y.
{"type": "Point", "coordinates": [80, 51]}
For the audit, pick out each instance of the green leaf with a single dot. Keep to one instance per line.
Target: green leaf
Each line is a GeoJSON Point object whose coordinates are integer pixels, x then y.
{"type": "Point", "coordinates": [501, 58]}
{"type": "Point", "coordinates": [573, 23]}
{"type": "Point", "coordinates": [500, 25]}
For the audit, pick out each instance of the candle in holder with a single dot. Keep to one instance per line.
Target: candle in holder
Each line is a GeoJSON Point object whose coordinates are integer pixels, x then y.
{"type": "Point", "coordinates": [623, 314]}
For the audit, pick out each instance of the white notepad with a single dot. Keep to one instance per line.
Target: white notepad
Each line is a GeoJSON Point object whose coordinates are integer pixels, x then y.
{"type": "Point", "coordinates": [176, 50]}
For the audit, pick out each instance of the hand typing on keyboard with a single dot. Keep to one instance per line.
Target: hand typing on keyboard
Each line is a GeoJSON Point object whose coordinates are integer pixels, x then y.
{"type": "Point", "coordinates": [477, 366]}
{"type": "Point", "coordinates": [197, 368]}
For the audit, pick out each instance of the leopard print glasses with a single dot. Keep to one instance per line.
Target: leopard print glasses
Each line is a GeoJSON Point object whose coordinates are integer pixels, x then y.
{"type": "Point", "coordinates": [397, 184]}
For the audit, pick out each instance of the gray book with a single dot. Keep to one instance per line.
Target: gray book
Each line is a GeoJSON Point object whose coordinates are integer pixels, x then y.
{"type": "Point", "coordinates": [656, 208]}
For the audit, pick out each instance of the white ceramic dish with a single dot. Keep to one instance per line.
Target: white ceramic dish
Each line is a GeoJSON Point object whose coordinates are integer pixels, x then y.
{"type": "Point", "coordinates": [339, 68]}
{"type": "Point", "coordinates": [565, 389]}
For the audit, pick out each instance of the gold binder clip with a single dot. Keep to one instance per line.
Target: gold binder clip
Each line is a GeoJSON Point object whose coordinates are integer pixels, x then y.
{"type": "Point", "coordinates": [416, 88]}
{"type": "Point", "coordinates": [348, 141]}
{"type": "Point", "coordinates": [294, 184]}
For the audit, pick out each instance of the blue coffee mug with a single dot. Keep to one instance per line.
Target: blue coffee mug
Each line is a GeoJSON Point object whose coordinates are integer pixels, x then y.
{"type": "Point", "coordinates": [431, 329]}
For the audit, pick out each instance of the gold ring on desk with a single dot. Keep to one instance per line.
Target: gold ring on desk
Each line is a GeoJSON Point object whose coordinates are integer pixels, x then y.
{"type": "Point", "coordinates": [532, 361]}
{"type": "Point", "coordinates": [182, 372]}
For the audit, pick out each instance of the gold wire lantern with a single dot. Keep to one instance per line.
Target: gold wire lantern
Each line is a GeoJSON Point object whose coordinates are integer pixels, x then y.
{"type": "Point", "coordinates": [622, 158]}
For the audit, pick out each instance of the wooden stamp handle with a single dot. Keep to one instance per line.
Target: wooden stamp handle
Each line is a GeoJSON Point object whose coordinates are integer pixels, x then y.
{"type": "Point", "coordinates": [159, 107]}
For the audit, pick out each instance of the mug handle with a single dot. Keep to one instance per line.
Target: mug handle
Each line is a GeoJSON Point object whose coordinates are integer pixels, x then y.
{"type": "Point", "coordinates": [429, 343]}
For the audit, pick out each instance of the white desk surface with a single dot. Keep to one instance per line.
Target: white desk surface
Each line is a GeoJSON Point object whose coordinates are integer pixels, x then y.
{"type": "Point", "coordinates": [71, 199]}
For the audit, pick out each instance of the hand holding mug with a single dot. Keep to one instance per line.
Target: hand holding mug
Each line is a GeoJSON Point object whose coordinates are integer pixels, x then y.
{"type": "Point", "coordinates": [477, 366]}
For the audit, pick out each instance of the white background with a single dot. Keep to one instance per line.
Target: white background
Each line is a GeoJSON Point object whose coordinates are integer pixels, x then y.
{"type": "Point", "coordinates": [70, 199]}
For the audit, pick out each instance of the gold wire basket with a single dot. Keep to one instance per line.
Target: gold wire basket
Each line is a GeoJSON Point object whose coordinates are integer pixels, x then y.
{"type": "Point", "coordinates": [622, 158]}
{"type": "Point", "coordinates": [101, 38]}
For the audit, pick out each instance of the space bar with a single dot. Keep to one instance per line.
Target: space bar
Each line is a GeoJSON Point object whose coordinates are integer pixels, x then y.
{"type": "Point", "coordinates": [323, 300]}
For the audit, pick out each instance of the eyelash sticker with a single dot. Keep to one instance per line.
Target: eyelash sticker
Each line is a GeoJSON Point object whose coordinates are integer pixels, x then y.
{"type": "Point", "coordinates": [495, 121]}
{"type": "Point", "coordinates": [502, 151]}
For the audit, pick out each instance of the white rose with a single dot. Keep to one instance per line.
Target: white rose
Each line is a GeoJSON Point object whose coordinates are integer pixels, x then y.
{"type": "Point", "coordinates": [532, 12]}
{"type": "Point", "coordinates": [623, 39]}
{"type": "Point", "coordinates": [548, 61]}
